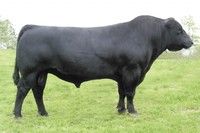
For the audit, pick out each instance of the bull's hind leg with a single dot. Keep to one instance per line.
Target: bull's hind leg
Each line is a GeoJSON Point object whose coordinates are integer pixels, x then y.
{"type": "Point", "coordinates": [121, 104]}
{"type": "Point", "coordinates": [38, 93]}
{"type": "Point", "coordinates": [23, 87]}
{"type": "Point", "coordinates": [22, 91]}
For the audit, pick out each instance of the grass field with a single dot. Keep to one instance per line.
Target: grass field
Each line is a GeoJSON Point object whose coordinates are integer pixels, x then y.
{"type": "Point", "coordinates": [168, 101]}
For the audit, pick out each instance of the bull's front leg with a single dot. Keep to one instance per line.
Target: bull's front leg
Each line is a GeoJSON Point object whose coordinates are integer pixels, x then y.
{"type": "Point", "coordinates": [131, 78]}
{"type": "Point", "coordinates": [130, 93]}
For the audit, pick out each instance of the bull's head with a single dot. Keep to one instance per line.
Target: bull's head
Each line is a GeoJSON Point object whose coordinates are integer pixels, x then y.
{"type": "Point", "coordinates": [177, 38]}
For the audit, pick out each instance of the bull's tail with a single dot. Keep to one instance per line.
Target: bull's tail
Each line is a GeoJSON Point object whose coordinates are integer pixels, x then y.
{"type": "Point", "coordinates": [16, 75]}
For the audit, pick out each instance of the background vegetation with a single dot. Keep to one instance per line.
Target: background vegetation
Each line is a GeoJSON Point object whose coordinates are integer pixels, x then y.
{"type": "Point", "coordinates": [7, 35]}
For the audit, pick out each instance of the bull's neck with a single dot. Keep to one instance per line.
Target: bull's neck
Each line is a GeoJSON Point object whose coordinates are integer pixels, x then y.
{"type": "Point", "coordinates": [158, 47]}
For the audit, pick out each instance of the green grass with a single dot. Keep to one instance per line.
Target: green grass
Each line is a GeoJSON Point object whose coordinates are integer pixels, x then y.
{"type": "Point", "coordinates": [168, 101]}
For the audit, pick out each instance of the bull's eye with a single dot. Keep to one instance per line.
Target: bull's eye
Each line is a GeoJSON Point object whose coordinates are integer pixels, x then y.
{"type": "Point", "coordinates": [179, 32]}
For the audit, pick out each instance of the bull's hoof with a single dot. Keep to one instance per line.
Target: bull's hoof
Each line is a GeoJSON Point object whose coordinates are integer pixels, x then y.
{"type": "Point", "coordinates": [17, 115]}
{"type": "Point", "coordinates": [131, 110]}
{"type": "Point", "coordinates": [133, 114]}
{"type": "Point", "coordinates": [121, 110]}
{"type": "Point", "coordinates": [42, 113]}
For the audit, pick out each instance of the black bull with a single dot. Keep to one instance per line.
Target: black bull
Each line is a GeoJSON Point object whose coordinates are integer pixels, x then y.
{"type": "Point", "coordinates": [122, 52]}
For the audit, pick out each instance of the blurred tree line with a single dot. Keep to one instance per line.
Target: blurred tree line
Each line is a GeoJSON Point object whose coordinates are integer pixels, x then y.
{"type": "Point", "coordinates": [193, 30]}
{"type": "Point", "coordinates": [7, 35]}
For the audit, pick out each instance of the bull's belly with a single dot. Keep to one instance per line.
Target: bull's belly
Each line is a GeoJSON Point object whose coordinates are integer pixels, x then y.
{"type": "Point", "coordinates": [84, 66]}
{"type": "Point", "coordinates": [77, 76]}
{"type": "Point", "coordinates": [92, 72]}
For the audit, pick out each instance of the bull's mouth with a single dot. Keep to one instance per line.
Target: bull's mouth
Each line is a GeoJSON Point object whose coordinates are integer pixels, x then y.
{"type": "Point", "coordinates": [175, 48]}
{"type": "Point", "coordinates": [179, 47]}
{"type": "Point", "coordinates": [187, 46]}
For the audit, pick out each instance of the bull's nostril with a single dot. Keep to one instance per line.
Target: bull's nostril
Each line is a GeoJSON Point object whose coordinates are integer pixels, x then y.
{"type": "Point", "coordinates": [192, 42]}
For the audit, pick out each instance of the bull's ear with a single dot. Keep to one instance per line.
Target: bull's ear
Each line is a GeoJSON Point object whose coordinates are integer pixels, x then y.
{"type": "Point", "coordinates": [168, 22]}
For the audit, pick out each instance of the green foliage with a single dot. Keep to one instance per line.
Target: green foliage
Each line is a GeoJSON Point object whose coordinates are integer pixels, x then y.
{"type": "Point", "coordinates": [7, 34]}
{"type": "Point", "coordinates": [189, 24]}
{"type": "Point", "coordinates": [167, 101]}
{"type": "Point", "coordinates": [191, 28]}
